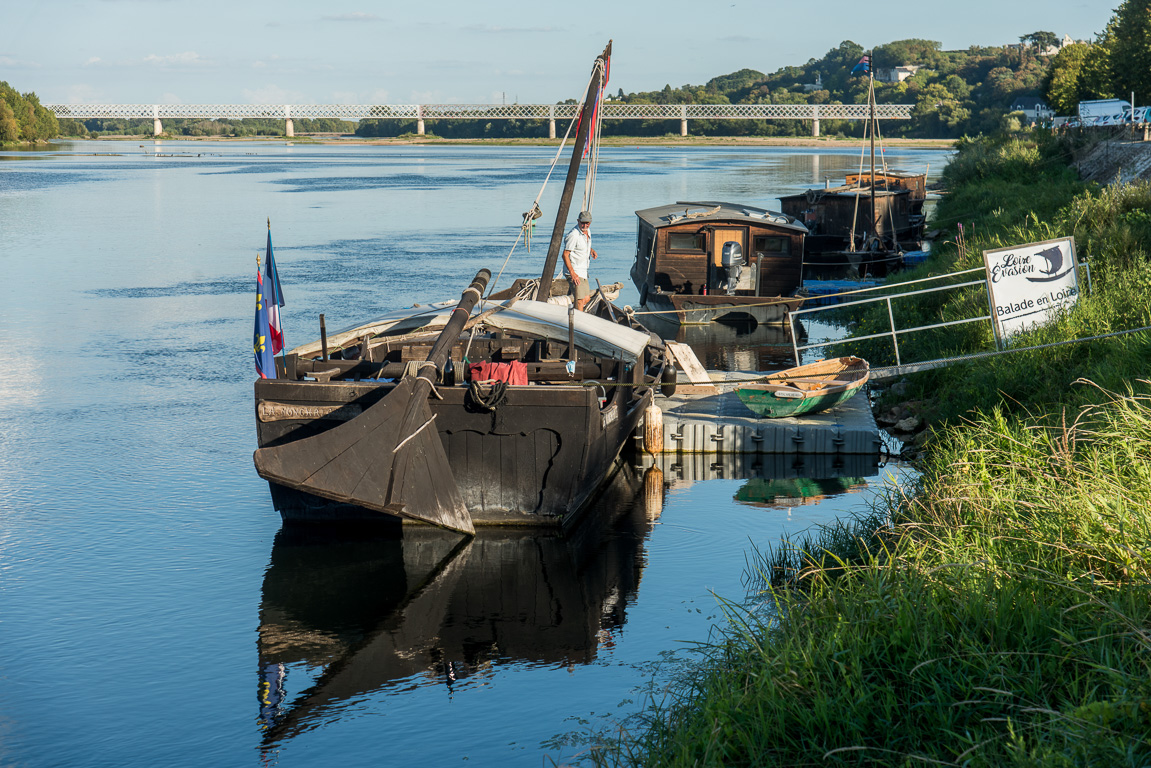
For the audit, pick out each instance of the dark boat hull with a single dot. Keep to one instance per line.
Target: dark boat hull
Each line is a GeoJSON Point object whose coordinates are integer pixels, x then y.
{"type": "Point", "coordinates": [535, 460]}
{"type": "Point", "coordinates": [690, 309]}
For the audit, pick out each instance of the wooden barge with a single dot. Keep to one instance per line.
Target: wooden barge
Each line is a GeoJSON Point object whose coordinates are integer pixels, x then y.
{"type": "Point", "coordinates": [504, 410]}
{"type": "Point", "coordinates": [526, 453]}
{"type": "Point", "coordinates": [697, 262]}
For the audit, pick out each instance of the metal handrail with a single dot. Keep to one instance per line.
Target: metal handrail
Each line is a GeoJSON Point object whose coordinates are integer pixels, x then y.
{"type": "Point", "coordinates": [894, 332]}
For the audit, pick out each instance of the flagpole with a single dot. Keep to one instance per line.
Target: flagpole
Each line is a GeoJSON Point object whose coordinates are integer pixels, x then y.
{"type": "Point", "coordinates": [276, 281]}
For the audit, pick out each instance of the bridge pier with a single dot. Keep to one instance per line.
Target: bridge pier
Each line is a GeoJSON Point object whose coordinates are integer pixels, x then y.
{"type": "Point", "coordinates": [157, 127]}
{"type": "Point", "coordinates": [815, 127]}
{"type": "Point", "coordinates": [289, 128]}
{"type": "Point", "coordinates": [551, 121]}
{"type": "Point", "coordinates": [683, 120]}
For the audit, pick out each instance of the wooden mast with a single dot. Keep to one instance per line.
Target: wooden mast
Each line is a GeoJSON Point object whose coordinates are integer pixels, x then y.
{"type": "Point", "coordinates": [590, 98]}
{"type": "Point", "coordinates": [871, 127]}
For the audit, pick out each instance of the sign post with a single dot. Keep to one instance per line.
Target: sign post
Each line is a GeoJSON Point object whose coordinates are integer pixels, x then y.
{"type": "Point", "coordinates": [1028, 284]}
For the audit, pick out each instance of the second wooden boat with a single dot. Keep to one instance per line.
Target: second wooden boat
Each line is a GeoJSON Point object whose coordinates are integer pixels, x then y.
{"type": "Point", "coordinates": [807, 389]}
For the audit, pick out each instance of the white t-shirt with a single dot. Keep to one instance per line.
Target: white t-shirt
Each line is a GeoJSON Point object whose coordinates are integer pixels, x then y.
{"type": "Point", "coordinates": [580, 246]}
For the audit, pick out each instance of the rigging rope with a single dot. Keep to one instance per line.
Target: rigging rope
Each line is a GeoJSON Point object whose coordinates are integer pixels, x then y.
{"type": "Point", "coordinates": [535, 203]}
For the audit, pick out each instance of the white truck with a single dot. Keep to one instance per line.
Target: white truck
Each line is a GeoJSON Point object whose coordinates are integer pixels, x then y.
{"type": "Point", "coordinates": [1089, 110]}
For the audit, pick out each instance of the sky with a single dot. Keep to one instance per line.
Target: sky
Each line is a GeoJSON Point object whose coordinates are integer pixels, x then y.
{"type": "Point", "coordinates": [460, 51]}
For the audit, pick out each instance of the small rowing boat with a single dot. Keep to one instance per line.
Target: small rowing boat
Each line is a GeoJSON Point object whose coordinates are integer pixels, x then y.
{"type": "Point", "coordinates": [807, 389]}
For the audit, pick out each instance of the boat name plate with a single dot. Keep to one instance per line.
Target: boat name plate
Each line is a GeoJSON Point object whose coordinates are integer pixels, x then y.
{"type": "Point", "coordinates": [269, 411]}
{"type": "Point", "coordinates": [610, 416]}
{"type": "Point", "coordinates": [788, 393]}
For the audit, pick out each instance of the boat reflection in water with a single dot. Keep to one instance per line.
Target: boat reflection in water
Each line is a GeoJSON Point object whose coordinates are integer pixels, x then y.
{"type": "Point", "coordinates": [431, 607]}
{"type": "Point", "coordinates": [345, 616]}
{"type": "Point", "coordinates": [735, 342]}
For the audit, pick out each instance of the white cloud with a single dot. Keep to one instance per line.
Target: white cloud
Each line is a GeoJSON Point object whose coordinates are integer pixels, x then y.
{"type": "Point", "coordinates": [84, 94]}
{"type": "Point", "coordinates": [274, 94]}
{"type": "Point", "coordinates": [355, 16]}
{"type": "Point", "coordinates": [351, 97]}
{"type": "Point", "coordinates": [427, 97]}
{"type": "Point", "coordinates": [500, 30]}
{"type": "Point", "coordinates": [8, 61]}
{"type": "Point", "coordinates": [175, 59]}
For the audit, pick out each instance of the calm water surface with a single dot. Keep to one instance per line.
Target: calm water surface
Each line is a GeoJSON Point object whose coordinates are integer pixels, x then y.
{"type": "Point", "coordinates": [153, 612]}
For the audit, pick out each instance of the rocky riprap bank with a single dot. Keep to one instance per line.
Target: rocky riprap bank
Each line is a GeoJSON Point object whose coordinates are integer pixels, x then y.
{"type": "Point", "coordinates": [1112, 162]}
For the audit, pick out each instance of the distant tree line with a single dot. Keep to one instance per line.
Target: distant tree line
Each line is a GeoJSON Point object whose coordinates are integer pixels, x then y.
{"type": "Point", "coordinates": [1115, 65]}
{"type": "Point", "coordinates": [954, 93]}
{"type": "Point", "coordinates": [195, 127]}
{"type": "Point", "coordinates": [23, 119]}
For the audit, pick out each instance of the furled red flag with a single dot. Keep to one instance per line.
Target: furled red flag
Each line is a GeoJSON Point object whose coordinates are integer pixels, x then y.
{"type": "Point", "coordinates": [275, 297]}
{"type": "Point", "coordinates": [863, 67]}
{"type": "Point", "coordinates": [261, 336]}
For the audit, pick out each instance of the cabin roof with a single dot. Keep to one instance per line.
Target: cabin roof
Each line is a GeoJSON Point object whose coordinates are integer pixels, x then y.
{"type": "Point", "coordinates": [713, 211]}
{"type": "Point", "coordinates": [891, 173]}
{"type": "Point", "coordinates": [819, 193]}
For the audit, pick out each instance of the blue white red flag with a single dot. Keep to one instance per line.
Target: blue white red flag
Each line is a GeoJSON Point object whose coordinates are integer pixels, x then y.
{"type": "Point", "coordinates": [262, 335]}
{"type": "Point", "coordinates": [863, 67]}
{"type": "Point", "coordinates": [275, 298]}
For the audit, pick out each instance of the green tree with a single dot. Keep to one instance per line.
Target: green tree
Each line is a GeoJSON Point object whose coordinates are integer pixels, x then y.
{"type": "Point", "coordinates": [1062, 86]}
{"type": "Point", "coordinates": [925, 53]}
{"type": "Point", "coordinates": [1096, 80]}
{"type": "Point", "coordinates": [9, 128]}
{"type": "Point", "coordinates": [1130, 49]}
{"type": "Point", "coordinates": [1040, 41]}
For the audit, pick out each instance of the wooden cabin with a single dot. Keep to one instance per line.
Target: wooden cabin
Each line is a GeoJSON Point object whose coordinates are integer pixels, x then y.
{"type": "Point", "coordinates": [914, 183]}
{"type": "Point", "coordinates": [700, 261]}
{"type": "Point", "coordinates": [832, 215]}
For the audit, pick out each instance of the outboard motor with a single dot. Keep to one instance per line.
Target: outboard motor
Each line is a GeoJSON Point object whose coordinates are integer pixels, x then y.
{"type": "Point", "coordinates": [731, 259]}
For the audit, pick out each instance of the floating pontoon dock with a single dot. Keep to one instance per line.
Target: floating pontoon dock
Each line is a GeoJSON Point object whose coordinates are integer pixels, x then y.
{"type": "Point", "coordinates": [698, 419]}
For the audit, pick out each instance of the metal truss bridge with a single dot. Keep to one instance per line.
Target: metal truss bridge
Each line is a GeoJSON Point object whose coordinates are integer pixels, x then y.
{"type": "Point", "coordinates": [421, 112]}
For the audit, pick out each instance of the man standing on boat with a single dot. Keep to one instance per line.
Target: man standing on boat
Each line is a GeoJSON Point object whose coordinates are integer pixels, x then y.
{"type": "Point", "coordinates": [578, 254]}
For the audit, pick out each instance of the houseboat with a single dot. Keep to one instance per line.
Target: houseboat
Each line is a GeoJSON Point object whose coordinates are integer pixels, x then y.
{"type": "Point", "coordinates": [697, 262]}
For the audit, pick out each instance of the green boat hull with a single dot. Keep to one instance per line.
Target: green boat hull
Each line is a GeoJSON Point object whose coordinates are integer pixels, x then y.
{"type": "Point", "coordinates": [763, 402]}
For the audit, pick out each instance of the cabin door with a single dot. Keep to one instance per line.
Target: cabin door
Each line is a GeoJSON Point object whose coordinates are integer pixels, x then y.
{"type": "Point", "coordinates": [718, 238]}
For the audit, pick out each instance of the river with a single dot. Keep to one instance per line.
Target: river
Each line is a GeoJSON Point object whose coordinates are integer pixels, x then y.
{"type": "Point", "coordinates": [153, 611]}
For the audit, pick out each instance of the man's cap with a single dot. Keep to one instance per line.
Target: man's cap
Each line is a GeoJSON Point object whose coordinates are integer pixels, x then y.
{"type": "Point", "coordinates": [584, 217]}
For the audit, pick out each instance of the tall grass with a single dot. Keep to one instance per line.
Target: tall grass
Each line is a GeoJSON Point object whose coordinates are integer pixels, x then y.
{"type": "Point", "coordinates": [999, 612]}
{"type": "Point", "coordinates": [1002, 617]}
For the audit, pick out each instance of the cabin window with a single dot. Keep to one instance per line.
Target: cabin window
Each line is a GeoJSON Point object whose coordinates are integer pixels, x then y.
{"type": "Point", "coordinates": [766, 245]}
{"type": "Point", "coordinates": [685, 241]}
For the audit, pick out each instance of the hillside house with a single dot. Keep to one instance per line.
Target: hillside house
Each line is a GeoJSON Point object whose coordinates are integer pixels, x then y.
{"type": "Point", "coordinates": [1034, 109]}
{"type": "Point", "coordinates": [896, 74]}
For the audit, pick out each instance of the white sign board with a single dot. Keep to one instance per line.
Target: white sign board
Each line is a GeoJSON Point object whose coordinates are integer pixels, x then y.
{"type": "Point", "coordinates": [1029, 283]}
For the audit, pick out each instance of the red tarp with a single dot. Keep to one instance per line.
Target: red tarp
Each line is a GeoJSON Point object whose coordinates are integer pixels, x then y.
{"type": "Point", "coordinates": [514, 373]}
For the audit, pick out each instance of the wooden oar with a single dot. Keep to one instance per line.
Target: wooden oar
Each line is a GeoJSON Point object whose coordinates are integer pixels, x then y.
{"type": "Point", "coordinates": [390, 457]}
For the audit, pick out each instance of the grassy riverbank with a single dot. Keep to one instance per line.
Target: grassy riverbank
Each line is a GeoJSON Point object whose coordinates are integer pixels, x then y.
{"type": "Point", "coordinates": [999, 613]}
